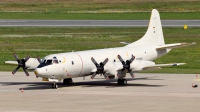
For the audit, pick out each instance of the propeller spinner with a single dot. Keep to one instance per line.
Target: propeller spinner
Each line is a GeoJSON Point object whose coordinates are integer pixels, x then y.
{"type": "Point", "coordinates": [21, 63]}
{"type": "Point", "coordinates": [100, 68]}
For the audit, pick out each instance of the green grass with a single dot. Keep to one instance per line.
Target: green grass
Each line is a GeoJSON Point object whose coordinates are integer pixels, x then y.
{"type": "Point", "coordinates": [26, 41]}
{"type": "Point", "coordinates": [99, 10]}
{"type": "Point", "coordinates": [97, 16]}
{"type": "Point", "coordinates": [68, 6]}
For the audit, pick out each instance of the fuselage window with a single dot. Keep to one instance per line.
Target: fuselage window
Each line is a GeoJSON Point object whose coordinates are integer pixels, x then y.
{"type": "Point", "coordinates": [72, 62]}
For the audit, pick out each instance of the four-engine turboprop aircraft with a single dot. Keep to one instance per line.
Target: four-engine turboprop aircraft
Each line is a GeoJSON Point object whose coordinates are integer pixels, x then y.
{"type": "Point", "coordinates": [110, 62]}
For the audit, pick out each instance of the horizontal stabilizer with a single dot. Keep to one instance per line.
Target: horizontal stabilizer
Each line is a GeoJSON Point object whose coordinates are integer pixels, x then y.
{"type": "Point", "coordinates": [176, 45]}
{"type": "Point", "coordinates": [11, 62]}
{"type": "Point", "coordinates": [158, 66]}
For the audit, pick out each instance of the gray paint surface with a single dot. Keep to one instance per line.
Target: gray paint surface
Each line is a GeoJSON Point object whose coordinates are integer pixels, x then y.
{"type": "Point", "coordinates": [95, 23]}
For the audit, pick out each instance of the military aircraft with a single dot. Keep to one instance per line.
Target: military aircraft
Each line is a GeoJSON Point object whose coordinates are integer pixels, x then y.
{"type": "Point", "coordinates": [109, 62]}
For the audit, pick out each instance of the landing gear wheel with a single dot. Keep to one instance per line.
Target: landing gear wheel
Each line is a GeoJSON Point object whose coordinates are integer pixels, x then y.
{"type": "Point", "coordinates": [54, 86]}
{"type": "Point", "coordinates": [70, 81]}
{"type": "Point", "coordinates": [122, 82]}
{"type": "Point", "coordinates": [119, 81]}
{"type": "Point", "coordinates": [67, 81]}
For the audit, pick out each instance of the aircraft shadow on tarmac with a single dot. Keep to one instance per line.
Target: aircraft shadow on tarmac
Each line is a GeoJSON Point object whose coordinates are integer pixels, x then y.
{"type": "Point", "coordinates": [107, 83]}
{"type": "Point", "coordinates": [113, 83]}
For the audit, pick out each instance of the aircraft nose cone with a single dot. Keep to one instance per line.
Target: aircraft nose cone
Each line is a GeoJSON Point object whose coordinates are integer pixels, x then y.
{"type": "Point", "coordinates": [36, 73]}
{"type": "Point", "coordinates": [41, 72]}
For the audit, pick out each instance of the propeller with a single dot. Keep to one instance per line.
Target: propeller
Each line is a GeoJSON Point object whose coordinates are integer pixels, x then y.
{"type": "Point", "coordinates": [100, 68]}
{"type": "Point", "coordinates": [21, 63]}
{"type": "Point", "coordinates": [126, 65]}
{"type": "Point", "coordinates": [39, 60]}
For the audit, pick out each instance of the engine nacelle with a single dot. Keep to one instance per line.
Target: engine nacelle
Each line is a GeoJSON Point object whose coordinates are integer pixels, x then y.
{"type": "Point", "coordinates": [138, 65]}
{"type": "Point", "coordinates": [32, 63]}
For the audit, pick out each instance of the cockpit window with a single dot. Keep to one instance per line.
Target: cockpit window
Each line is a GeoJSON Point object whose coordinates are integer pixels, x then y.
{"type": "Point", "coordinates": [55, 60]}
{"type": "Point", "coordinates": [49, 61]}
{"type": "Point", "coordinates": [43, 62]}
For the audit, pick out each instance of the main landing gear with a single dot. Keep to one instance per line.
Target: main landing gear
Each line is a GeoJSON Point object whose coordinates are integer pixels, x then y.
{"type": "Point", "coordinates": [54, 85]}
{"type": "Point", "coordinates": [68, 81]}
{"type": "Point", "coordinates": [122, 82]}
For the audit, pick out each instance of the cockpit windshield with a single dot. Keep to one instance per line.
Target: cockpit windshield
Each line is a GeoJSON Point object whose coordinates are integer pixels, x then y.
{"type": "Point", "coordinates": [43, 61]}
{"type": "Point", "coordinates": [47, 62]}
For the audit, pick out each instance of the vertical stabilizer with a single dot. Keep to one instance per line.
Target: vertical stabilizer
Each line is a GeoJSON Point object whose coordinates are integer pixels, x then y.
{"type": "Point", "coordinates": [154, 35]}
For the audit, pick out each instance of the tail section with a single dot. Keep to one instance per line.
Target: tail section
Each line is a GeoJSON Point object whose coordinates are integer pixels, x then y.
{"type": "Point", "coordinates": [154, 35]}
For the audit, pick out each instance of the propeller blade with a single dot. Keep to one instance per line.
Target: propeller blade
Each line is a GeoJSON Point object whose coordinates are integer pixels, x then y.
{"type": "Point", "coordinates": [105, 61]}
{"type": "Point", "coordinates": [104, 74]}
{"type": "Point", "coordinates": [27, 58]}
{"type": "Point", "coordinates": [16, 57]}
{"type": "Point", "coordinates": [25, 71]}
{"type": "Point", "coordinates": [132, 75]}
{"type": "Point", "coordinates": [94, 61]}
{"type": "Point", "coordinates": [120, 58]}
{"type": "Point", "coordinates": [94, 74]}
{"type": "Point", "coordinates": [132, 58]}
{"type": "Point", "coordinates": [39, 60]}
{"type": "Point", "coordinates": [15, 70]}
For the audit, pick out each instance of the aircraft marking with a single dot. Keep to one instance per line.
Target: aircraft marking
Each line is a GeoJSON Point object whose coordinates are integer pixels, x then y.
{"type": "Point", "coordinates": [82, 64]}
{"type": "Point", "coordinates": [64, 60]}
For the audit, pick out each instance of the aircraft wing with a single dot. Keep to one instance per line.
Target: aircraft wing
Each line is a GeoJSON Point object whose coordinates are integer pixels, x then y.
{"type": "Point", "coordinates": [31, 64]}
{"type": "Point", "coordinates": [176, 45]}
{"type": "Point", "coordinates": [11, 62]}
{"type": "Point", "coordinates": [158, 66]}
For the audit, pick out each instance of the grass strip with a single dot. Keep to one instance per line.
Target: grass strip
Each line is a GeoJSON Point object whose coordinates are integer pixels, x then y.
{"type": "Point", "coordinates": [37, 42]}
{"type": "Point", "coordinates": [97, 16]}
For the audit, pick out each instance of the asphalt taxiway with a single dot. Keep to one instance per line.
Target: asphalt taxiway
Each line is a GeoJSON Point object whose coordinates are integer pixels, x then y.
{"type": "Point", "coordinates": [146, 92]}
{"type": "Point", "coordinates": [95, 23]}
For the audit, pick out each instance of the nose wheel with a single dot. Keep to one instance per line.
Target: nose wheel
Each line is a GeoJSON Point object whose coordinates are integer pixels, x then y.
{"type": "Point", "coordinates": [54, 86]}
{"type": "Point", "coordinates": [122, 82]}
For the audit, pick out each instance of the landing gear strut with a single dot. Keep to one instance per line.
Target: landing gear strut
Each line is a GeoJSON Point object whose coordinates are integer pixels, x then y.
{"type": "Point", "coordinates": [68, 81]}
{"type": "Point", "coordinates": [54, 85]}
{"type": "Point", "coordinates": [122, 82]}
